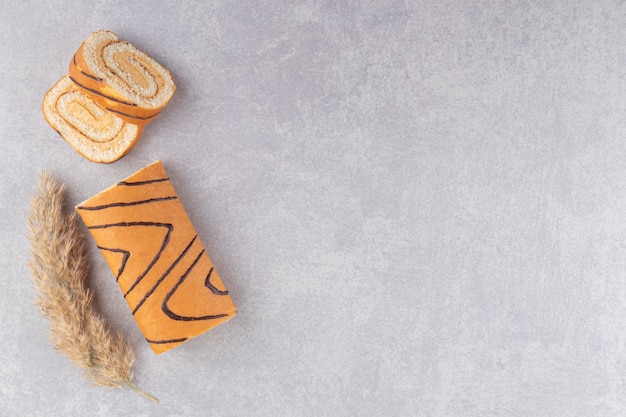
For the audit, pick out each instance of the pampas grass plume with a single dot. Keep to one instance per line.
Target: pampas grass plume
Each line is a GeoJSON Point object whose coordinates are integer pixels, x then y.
{"type": "Point", "coordinates": [59, 268]}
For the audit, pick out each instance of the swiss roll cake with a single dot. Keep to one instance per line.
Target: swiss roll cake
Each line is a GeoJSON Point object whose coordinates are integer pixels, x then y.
{"type": "Point", "coordinates": [155, 254]}
{"type": "Point", "coordinates": [121, 78]}
{"type": "Point", "coordinates": [91, 130]}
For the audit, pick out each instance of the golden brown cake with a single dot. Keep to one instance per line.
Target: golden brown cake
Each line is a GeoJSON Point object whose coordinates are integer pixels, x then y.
{"type": "Point", "coordinates": [155, 254]}
{"type": "Point", "coordinates": [121, 78]}
{"type": "Point", "coordinates": [92, 131]}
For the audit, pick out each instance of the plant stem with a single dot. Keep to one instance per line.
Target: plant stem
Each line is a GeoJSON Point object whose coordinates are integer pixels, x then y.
{"type": "Point", "coordinates": [134, 387]}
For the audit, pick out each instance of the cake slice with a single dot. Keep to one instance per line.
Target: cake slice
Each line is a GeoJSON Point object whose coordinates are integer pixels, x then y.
{"type": "Point", "coordinates": [121, 78]}
{"type": "Point", "coordinates": [157, 258]}
{"type": "Point", "coordinates": [95, 133]}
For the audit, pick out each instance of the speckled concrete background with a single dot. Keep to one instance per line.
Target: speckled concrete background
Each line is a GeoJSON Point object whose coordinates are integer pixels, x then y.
{"type": "Point", "coordinates": [418, 207]}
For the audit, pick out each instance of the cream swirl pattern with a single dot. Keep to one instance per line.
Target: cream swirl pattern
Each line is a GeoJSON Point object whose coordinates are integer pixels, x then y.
{"type": "Point", "coordinates": [92, 131]}
{"type": "Point", "coordinates": [121, 78]}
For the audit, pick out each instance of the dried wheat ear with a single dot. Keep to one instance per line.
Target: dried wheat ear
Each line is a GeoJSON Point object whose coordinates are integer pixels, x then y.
{"type": "Point", "coordinates": [59, 269]}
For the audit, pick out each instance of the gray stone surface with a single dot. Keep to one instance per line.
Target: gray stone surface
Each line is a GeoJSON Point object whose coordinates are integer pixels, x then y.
{"type": "Point", "coordinates": [418, 207]}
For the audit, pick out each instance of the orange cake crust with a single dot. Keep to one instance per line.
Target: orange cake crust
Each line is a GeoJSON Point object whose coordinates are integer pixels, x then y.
{"type": "Point", "coordinates": [92, 131]}
{"type": "Point", "coordinates": [157, 258]}
{"type": "Point", "coordinates": [125, 81]}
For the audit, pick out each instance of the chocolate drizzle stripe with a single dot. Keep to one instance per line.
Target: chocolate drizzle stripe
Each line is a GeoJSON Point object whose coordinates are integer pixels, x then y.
{"type": "Point", "coordinates": [169, 295]}
{"type": "Point", "coordinates": [214, 290]}
{"type": "Point", "coordinates": [165, 274]}
{"type": "Point", "coordinates": [93, 77]}
{"type": "Point", "coordinates": [166, 240]}
{"type": "Point", "coordinates": [130, 203]}
{"type": "Point", "coordinates": [124, 259]}
{"type": "Point", "coordinates": [100, 94]}
{"type": "Point", "coordinates": [129, 183]}
{"type": "Point", "coordinates": [121, 113]}
{"type": "Point", "coordinates": [129, 224]}
{"type": "Point", "coordinates": [162, 342]}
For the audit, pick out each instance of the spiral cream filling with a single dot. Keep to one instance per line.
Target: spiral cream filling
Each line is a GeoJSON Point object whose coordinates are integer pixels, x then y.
{"type": "Point", "coordinates": [129, 71]}
{"type": "Point", "coordinates": [90, 129]}
{"type": "Point", "coordinates": [88, 118]}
